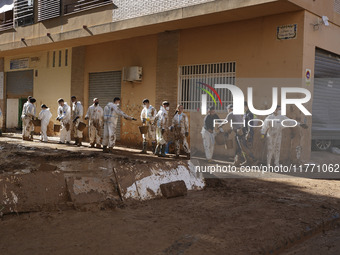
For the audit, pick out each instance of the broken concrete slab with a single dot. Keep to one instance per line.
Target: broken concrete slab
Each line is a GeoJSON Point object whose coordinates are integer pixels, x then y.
{"type": "Point", "coordinates": [87, 190]}
{"type": "Point", "coordinates": [174, 189]}
{"type": "Point", "coordinates": [32, 192]}
{"type": "Point", "coordinates": [143, 184]}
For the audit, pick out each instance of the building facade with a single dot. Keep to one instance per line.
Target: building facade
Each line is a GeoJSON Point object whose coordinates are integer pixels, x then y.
{"type": "Point", "coordinates": [59, 48]}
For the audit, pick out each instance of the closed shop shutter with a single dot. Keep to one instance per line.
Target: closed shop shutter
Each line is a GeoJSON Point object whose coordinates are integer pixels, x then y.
{"type": "Point", "coordinates": [105, 86]}
{"type": "Point", "coordinates": [326, 103]}
{"type": "Point", "coordinates": [19, 84]}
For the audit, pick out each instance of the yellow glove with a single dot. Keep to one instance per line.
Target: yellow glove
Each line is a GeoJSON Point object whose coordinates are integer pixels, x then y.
{"type": "Point", "coordinates": [147, 119]}
{"type": "Point", "coordinates": [262, 136]}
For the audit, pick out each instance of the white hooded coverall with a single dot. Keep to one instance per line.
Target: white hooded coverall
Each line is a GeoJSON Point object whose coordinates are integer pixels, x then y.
{"type": "Point", "coordinates": [77, 111]}
{"type": "Point", "coordinates": [95, 115]}
{"type": "Point", "coordinates": [162, 123]}
{"type": "Point", "coordinates": [64, 114]}
{"type": "Point", "coordinates": [208, 135]}
{"type": "Point", "coordinates": [149, 114]}
{"type": "Point", "coordinates": [45, 116]}
{"type": "Point", "coordinates": [28, 113]}
{"type": "Point", "coordinates": [111, 114]}
{"type": "Point", "coordinates": [181, 124]}
{"type": "Point", "coordinates": [273, 128]}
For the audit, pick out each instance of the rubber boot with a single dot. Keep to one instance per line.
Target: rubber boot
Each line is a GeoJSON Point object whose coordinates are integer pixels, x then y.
{"type": "Point", "coordinates": [92, 145]}
{"type": "Point", "coordinates": [105, 150]}
{"type": "Point", "coordinates": [157, 150]}
{"type": "Point", "coordinates": [188, 155]}
{"type": "Point", "coordinates": [153, 147]}
{"type": "Point", "coordinates": [111, 149]}
{"type": "Point", "coordinates": [162, 154]}
{"type": "Point", "coordinates": [237, 161]}
{"type": "Point", "coordinates": [145, 144]}
{"type": "Point", "coordinates": [98, 146]}
{"type": "Point", "coordinates": [31, 137]}
{"type": "Point", "coordinates": [76, 141]}
{"type": "Point", "coordinates": [79, 142]}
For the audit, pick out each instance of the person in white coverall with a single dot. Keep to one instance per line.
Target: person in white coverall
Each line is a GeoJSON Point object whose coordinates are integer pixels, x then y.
{"type": "Point", "coordinates": [162, 129]}
{"type": "Point", "coordinates": [272, 130]}
{"type": "Point", "coordinates": [111, 114]}
{"type": "Point", "coordinates": [147, 117]}
{"type": "Point", "coordinates": [23, 113]}
{"type": "Point", "coordinates": [64, 116]}
{"type": "Point", "coordinates": [95, 116]}
{"type": "Point", "coordinates": [77, 117]}
{"type": "Point", "coordinates": [45, 116]}
{"type": "Point", "coordinates": [28, 114]}
{"type": "Point", "coordinates": [208, 133]}
{"type": "Point", "coordinates": [180, 125]}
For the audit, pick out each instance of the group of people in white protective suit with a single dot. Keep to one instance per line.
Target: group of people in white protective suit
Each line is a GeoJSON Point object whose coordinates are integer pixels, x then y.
{"type": "Point", "coordinates": [28, 115]}
{"type": "Point", "coordinates": [158, 132]}
{"type": "Point", "coordinates": [159, 125]}
{"type": "Point", "coordinates": [244, 134]}
{"type": "Point", "coordinates": [98, 119]}
{"type": "Point", "coordinates": [70, 118]}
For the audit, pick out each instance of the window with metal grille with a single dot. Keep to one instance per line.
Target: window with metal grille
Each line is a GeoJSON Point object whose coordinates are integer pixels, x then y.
{"type": "Point", "coordinates": [48, 9]}
{"type": "Point", "coordinates": [337, 6]}
{"type": "Point", "coordinates": [72, 6]}
{"type": "Point", "coordinates": [23, 12]}
{"type": "Point", "coordinates": [195, 80]}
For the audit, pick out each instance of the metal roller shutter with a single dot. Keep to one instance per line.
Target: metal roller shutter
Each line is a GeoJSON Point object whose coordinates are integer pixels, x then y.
{"type": "Point", "coordinates": [105, 86]}
{"type": "Point", "coordinates": [19, 84]}
{"type": "Point", "coordinates": [48, 9]}
{"type": "Point", "coordinates": [326, 103]}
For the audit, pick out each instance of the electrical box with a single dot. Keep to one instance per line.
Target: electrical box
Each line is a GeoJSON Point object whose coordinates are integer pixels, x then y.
{"type": "Point", "coordinates": [132, 73]}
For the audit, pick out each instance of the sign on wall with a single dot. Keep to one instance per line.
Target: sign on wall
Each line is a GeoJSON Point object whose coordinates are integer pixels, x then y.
{"type": "Point", "coordinates": [1, 85]}
{"type": "Point", "coordinates": [286, 32]}
{"type": "Point", "coordinates": [19, 63]}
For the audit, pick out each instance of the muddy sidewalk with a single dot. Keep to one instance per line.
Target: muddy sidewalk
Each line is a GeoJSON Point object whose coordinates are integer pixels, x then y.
{"type": "Point", "coordinates": [228, 217]}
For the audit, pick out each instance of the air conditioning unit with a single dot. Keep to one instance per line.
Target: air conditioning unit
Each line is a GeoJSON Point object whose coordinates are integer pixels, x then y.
{"type": "Point", "coordinates": [132, 73]}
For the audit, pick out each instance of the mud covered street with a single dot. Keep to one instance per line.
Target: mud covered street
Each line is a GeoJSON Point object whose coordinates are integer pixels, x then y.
{"type": "Point", "coordinates": [238, 216]}
{"type": "Point", "coordinates": [229, 216]}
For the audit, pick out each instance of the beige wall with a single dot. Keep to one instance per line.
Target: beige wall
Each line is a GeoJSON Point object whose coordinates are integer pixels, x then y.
{"type": "Point", "coordinates": [252, 44]}
{"type": "Point", "coordinates": [320, 8]}
{"type": "Point", "coordinates": [113, 56]}
{"type": "Point", "coordinates": [50, 83]}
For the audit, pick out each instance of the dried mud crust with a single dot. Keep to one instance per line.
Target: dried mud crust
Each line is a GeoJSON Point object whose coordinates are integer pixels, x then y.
{"type": "Point", "coordinates": [16, 157]}
{"type": "Point", "coordinates": [240, 216]}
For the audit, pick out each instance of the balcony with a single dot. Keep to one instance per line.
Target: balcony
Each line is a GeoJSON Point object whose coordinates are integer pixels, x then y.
{"type": "Point", "coordinates": [6, 17]}
{"type": "Point", "coordinates": [23, 12]}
